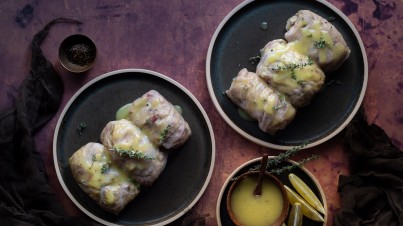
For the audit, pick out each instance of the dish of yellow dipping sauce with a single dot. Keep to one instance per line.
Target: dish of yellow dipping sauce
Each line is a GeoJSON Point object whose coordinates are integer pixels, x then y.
{"type": "Point", "coordinates": [263, 210]}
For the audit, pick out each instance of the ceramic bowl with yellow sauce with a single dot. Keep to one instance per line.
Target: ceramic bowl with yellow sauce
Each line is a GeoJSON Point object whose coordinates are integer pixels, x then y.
{"type": "Point", "coordinates": [247, 209]}
{"type": "Point", "coordinates": [223, 214]}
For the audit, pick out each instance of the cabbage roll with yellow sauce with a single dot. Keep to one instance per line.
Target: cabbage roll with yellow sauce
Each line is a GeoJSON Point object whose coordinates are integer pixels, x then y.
{"type": "Point", "coordinates": [131, 149]}
{"type": "Point", "coordinates": [314, 36]}
{"type": "Point", "coordinates": [124, 135]}
{"type": "Point", "coordinates": [159, 120]}
{"type": "Point", "coordinates": [101, 179]}
{"type": "Point", "coordinates": [290, 73]}
{"type": "Point", "coordinates": [271, 109]}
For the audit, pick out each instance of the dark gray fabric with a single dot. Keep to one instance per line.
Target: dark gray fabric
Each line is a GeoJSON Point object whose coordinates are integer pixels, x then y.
{"type": "Point", "coordinates": [25, 196]}
{"type": "Point", "coordinates": [373, 193]}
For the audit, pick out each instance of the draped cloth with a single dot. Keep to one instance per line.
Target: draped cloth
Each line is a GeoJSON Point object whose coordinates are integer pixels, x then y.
{"type": "Point", "coordinates": [25, 196]}
{"type": "Point", "coordinates": [373, 193]}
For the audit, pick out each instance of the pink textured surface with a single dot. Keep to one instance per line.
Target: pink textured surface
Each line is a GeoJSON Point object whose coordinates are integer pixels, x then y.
{"type": "Point", "coordinates": [172, 37]}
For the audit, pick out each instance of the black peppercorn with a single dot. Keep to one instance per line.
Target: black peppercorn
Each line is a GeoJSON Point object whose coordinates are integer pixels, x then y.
{"type": "Point", "coordinates": [80, 54]}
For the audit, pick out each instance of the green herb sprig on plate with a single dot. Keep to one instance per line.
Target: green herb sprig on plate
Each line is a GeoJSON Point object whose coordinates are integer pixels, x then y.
{"type": "Point", "coordinates": [321, 44]}
{"type": "Point", "coordinates": [81, 127]}
{"type": "Point", "coordinates": [164, 134]}
{"type": "Point", "coordinates": [131, 153]}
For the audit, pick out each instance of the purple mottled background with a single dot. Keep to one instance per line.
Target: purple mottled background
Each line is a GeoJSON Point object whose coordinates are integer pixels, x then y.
{"type": "Point", "coordinates": [172, 37]}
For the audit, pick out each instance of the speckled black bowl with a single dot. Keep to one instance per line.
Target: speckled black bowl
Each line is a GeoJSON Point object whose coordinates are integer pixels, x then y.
{"type": "Point", "coordinates": [77, 53]}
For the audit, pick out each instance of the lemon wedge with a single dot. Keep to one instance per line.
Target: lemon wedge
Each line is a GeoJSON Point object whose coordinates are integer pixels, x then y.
{"type": "Point", "coordinates": [306, 209]}
{"type": "Point", "coordinates": [295, 217]}
{"type": "Point", "coordinates": [305, 192]}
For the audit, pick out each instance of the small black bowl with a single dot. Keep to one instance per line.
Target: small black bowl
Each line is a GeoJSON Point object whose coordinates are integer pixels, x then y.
{"type": "Point", "coordinates": [77, 53]}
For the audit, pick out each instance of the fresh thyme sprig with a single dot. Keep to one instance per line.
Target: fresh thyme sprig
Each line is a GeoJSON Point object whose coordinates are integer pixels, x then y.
{"type": "Point", "coordinates": [131, 153]}
{"type": "Point", "coordinates": [164, 134]}
{"type": "Point", "coordinates": [293, 66]}
{"type": "Point", "coordinates": [273, 162]}
{"type": "Point", "coordinates": [284, 156]}
{"type": "Point", "coordinates": [293, 166]}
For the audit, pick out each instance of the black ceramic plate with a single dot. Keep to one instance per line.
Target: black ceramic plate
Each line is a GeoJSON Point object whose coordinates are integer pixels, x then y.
{"type": "Point", "coordinates": [177, 189]}
{"type": "Point", "coordinates": [239, 37]}
{"type": "Point", "coordinates": [223, 217]}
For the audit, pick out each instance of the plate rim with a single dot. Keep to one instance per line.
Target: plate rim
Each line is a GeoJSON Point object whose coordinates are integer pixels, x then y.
{"type": "Point", "coordinates": [257, 160]}
{"type": "Point", "coordinates": [265, 143]}
{"type": "Point", "coordinates": [156, 74]}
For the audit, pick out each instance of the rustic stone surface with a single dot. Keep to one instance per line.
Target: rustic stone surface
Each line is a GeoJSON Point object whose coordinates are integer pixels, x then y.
{"type": "Point", "coordinates": [172, 38]}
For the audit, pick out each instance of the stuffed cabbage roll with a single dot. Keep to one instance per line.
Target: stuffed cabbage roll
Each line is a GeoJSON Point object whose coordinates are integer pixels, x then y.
{"type": "Point", "coordinates": [290, 73]}
{"type": "Point", "coordinates": [102, 180]}
{"type": "Point", "coordinates": [133, 151]}
{"type": "Point", "coordinates": [314, 36]}
{"type": "Point", "coordinates": [159, 120]}
{"type": "Point", "coordinates": [144, 171]}
{"type": "Point", "coordinates": [270, 108]}
{"type": "Point", "coordinates": [124, 135]}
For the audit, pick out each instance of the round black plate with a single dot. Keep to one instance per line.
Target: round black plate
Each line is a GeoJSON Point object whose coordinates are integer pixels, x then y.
{"type": "Point", "coordinates": [239, 37]}
{"type": "Point", "coordinates": [177, 189]}
{"type": "Point", "coordinates": [223, 217]}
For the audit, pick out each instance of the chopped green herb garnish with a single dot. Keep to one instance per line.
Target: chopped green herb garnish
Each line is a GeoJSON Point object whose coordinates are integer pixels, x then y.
{"type": "Point", "coordinates": [292, 67]}
{"type": "Point", "coordinates": [301, 82]}
{"type": "Point", "coordinates": [93, 158]}
{"type": "Point", "coordinates": [132, 153]}
{"type": "Point", "coordinates": [254, 60]}
{"type": "Point", "coordinates": [321, 44]}
{"type": "Point", "coordinates": [293, 75]}
{"type": "Point", "coordinates": [281, 103]}
{"type": "Point", "coordinates": [164, 134]}
{"type": "Point", "coordinates": [134, 182]}
{"type": "Point", "coordinates": [309, 36]}
{"type": "Point", "coordinates": [104, 168]}
{"type": "Point", "coordinates": [80, 128]}
{"type": "Point", "coordinates": [310, 61]}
